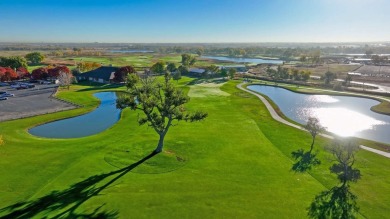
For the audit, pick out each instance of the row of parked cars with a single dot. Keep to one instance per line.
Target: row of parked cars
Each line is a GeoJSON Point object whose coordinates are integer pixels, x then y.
{"type": "Point", "coordinates": [4, 95]}
{"type": "Point", "coordinates": [19, 86]}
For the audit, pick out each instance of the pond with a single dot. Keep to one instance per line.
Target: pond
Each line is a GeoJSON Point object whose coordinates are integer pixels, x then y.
{"type": "Point", "coordinates": [102, 118]}
{"type": "Point", "coordinates": [342, 115]}
{"type": "Point", "coordinates": [245, 60]}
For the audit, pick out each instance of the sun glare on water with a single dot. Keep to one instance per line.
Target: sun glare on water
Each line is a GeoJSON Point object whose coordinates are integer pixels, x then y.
{"type": "Point", "coordinates": [342, 121]}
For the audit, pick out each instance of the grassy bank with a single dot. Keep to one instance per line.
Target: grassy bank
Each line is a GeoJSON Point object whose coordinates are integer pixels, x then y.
{"type": "Point", "coordinates": [236, 163]}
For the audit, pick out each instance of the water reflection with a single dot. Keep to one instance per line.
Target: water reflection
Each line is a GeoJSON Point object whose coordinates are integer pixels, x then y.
{"type": "Point", "coordinates": [343, 121]}
{"type": "Point", "coordinates": [102, 118]}
{"type": "Point", "coordinates": [344, 116]}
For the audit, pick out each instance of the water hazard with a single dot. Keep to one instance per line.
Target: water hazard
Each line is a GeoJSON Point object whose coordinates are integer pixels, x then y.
{"type": "Point", "coordinates": [102, 118]}
{"type": "Point", "coordinates": [342, 115]}
{"type": "Point", "coordinates": [245, 60]}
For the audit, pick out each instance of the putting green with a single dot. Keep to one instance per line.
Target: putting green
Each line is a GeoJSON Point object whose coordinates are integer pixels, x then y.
{"type": "Point", "coordinates": [207, 89]}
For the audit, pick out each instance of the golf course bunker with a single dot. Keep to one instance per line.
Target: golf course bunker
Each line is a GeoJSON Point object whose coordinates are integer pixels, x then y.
{"type": "Point", "coordinates": [102, 118]}
{"type": "Point", "coordinates": [207, 89]}
{"type": "Point", "coordinates": [164, 162]}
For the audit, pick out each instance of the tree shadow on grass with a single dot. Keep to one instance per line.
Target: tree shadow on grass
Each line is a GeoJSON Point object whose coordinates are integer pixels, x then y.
{"type": "Point", "coordinates": [338, 202]}
{"type": "Point", "coordinates": [304, 160]}
{"type": "Point", "coordinates": [63, 204]}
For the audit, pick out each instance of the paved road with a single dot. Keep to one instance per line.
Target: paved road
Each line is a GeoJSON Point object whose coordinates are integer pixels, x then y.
{"type": "Point", "coordinates": [275, 116]}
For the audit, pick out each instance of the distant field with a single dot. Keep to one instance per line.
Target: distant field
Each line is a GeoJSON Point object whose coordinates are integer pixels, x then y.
{"type": "Point", "coordinates": [340, 69]}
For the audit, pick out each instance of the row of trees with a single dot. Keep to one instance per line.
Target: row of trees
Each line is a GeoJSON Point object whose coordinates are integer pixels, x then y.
{"type": "Point", "coordinates": [339, 201]}
{"type": "Point", "coordinates": [49, 72]}
{"type": "Point", "coordinates": [9, 74]}
{"type": "Point", "coordinates": [287, 73]}
{"type": "Point", "coordinates": [15, 62]}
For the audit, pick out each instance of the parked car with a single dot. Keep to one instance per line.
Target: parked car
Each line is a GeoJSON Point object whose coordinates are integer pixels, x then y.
{"type": "Point", "coordinates": [3, 84]}
{"type": "Point", "coordinates": [3, 92]}
{"type": "Point", "coordinates": [3, 98]}
{"type": "Point", "coordinates": [21, 87]}
{"type": "Point", "coordinates": [7, 95]}
{"type": "Point", "coordinates": [15, 86]}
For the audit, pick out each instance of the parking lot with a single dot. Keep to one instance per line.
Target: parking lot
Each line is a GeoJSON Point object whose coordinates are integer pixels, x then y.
{"type": "Point", "coordinates": [30, 102]}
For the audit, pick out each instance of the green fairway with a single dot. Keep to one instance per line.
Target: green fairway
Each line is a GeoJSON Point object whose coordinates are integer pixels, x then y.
{"type": "Point", "coordinates": [235, 164]}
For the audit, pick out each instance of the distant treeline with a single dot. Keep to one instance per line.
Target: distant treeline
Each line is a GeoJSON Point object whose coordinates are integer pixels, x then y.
{"type": "Point", "coordinates": [286, 51]}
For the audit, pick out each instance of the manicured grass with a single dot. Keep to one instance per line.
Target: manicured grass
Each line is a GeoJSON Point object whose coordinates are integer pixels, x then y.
{"type": "Point", "coordinates": [236, 163]}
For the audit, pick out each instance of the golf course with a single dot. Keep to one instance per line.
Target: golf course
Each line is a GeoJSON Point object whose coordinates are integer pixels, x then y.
{"type": "Point", "coordinates": [234, 164]}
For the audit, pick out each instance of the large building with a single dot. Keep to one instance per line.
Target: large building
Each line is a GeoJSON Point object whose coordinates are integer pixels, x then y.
{"type": "Point", "coordinates": [104, 74]}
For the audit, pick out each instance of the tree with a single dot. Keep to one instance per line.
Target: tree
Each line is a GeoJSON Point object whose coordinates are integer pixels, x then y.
{"type": "Point", "coordinates": [339, 201]}
{"type": "Point", "coordinates": [55, 72]}
{"type": "Point", "coordinates": [212, 69]}
{"type": "Point", "coordinates": [305, 75]}
{"type": "Point", "coordinates": [35, 58]}
{"type": "Point", "coordinates": [40, 73]}
{"type": "Point", "coordinates": [158, 68]}
{"type": "Point", "coordinates": [121, 74]}
{"type": "Point", "coordinates": [65, 78]}
{"type": "Point", "coordinates": [368, 53]}
{"type": "Point", "coordinates": [303, 58]}
{"type": "Point", "coordinates": [161, 103]}
{"type": "Point", "coordinates": [224, 72]}
{"type": "Point", "coordinates": [200, 51]}
{"type": "Point", "coordinates": [232, 72]}
{"type": "Point", "coordinates": [328, 77]}
{"type": "Point", "coordinates": [171, 67]}
{"type": "Point", "coordinates": [348, 80]}
{"type": "Point", "coordinates": [13, 62]}
{"type": "Point", "coordinates": [314, 127]}
{"type": "Point", "coordinates": [88, 66]}
{"type": "Point", "coordinates": [22, 72]}
{"type": "Point", "coordinates": [7, 74]}
{"type": "Point", "coordinates": [344, 152]}
{"type": "Point", "coordinates": [188, 60]}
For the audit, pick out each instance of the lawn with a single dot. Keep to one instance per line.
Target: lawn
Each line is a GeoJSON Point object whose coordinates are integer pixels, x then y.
{"type": "Point", "coordinates": [236, 163]}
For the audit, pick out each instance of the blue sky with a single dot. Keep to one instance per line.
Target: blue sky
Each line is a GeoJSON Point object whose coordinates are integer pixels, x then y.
{"type": "Point", "coordinates": [154, 21]}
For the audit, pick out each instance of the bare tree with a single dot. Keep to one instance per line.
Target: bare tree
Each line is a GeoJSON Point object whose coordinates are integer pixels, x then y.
{"type": "Point", "coordinates": [343, 152]}
{"type": "Point", "coordinates": [65, 79]}
{"type": "Point", "coordinates": [314, 127]}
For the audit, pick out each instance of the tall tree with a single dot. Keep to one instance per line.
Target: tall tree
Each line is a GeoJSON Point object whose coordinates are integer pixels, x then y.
{"type": "Point", "coordinates": [35, 58]}
{"type": "Point", "coordinates": [161, 103]}
{"type": "Point", "coordinates": [328, 77]}
{"type": "Point", "coordinates": [314, 127]}
{"type": "Point", "coordinates": [65, 78]}
{"type": "Point", "coordinates": [339, 201]}
{"type": "Point", "coordinates": [232, 72]}
{"type": "Point", "coordinates": [212, 69]}
{"type": "Point", "coordinates": [344, 152]}
{"type": "Point", "coordinates": [158, 68]}
{"type": "Point", "coordinates": [171, 67]}
{"type": "Point", "coordinates": [188, 60]}
{"type": "Point", "coordinates": [224, 72]}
